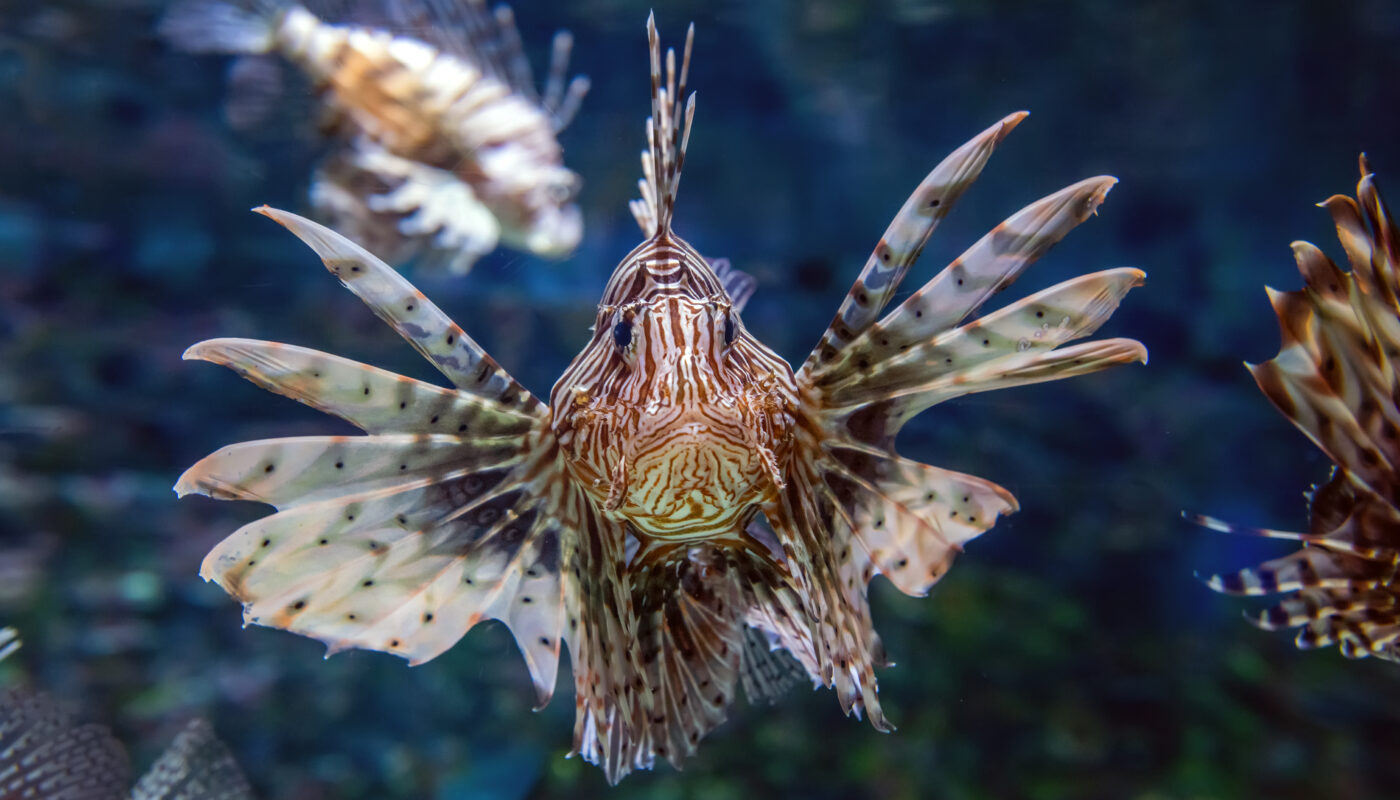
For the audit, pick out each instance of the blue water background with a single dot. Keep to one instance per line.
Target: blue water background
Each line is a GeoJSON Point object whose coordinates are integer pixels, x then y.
{"type": "Point", "coordinates": [1070, 652]}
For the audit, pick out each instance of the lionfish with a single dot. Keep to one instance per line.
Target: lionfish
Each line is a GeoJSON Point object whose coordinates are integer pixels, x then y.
{"type": "Point", "coordinates": [1335, 377]}
{"type": "Point", "coordinates": [446, 147]}
{"type": "Point", "coordinates": [43, 754]}
{"type": "Point", "coordinates": [686, 505]}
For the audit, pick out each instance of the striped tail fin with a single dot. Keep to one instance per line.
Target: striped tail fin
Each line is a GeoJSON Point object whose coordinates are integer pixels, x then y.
{"type": "Point", "coordinates": [1335, 377]}
{"type": "Point", "coordinates": [668, 134]}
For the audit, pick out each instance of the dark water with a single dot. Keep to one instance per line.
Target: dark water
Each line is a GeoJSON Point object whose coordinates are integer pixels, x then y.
{"type": "Point", "coordinates": [1070, 653]}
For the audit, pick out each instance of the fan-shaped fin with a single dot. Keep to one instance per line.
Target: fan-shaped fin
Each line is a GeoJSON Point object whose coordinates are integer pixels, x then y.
{"type": "Point", "coordinates": [767, 670]}
{"type": "Point", "coordinates": [300, 470]}
{"type": "Point", "coordinates": [989, 266]}
{"type": "Point", "coordinates": [409, 312]}
{"type": "Point", "coordinates": [406, 566]}
{"type": "Point", "coordinates": [911, 519]}
{"type": "Point", "coordinates": [372, 399]}
{"type": "Point", "coordinates": [690, 634]}
{"type": "Point", "coordinates": [1005, 339]}
{"type": "Point", "coordinates": [905, 239]}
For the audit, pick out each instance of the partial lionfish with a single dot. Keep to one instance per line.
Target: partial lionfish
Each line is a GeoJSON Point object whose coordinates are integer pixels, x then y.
{"type": "Point", "coordinates": [684, 492]}
{"type": "Point", "coordinates": [9, 642]}
{"type": "Point", "coordinates": [1336, 378]}
{"type": "Point", "coordinates": [44, 755]}
{"type": "Point", "coordinates": [447, 148]}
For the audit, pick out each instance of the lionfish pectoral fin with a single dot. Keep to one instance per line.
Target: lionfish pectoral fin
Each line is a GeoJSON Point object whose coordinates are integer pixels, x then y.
{"type": "Point", "coordinates": [421, 323]}
{"type": "Point", "coordinates": [690, 633]}
{"type": "Point", "coordinates": [767, 670]}
{"type": "Point", "coordinates": [404, 539]}
{"type": "Point", "coordinates": [372, 399]}
{"type": "Point", "coordinates": [905, 238]}
{"type": "Point", "coordinates": [391, 542]}
{"type": "Point", "coordinates": [834, 614]}
{"type": "Point", "coordinates": [907, 520]}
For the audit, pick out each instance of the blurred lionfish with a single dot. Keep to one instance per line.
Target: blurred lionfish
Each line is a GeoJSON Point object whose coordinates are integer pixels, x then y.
{"type": "Point", "coordinates": [683, 495]}
{"type": "Point", "coordinates": [447, 146]}
{"type": "Point", "coordinates": [9, 642]}
{"type": "Point", "coordinates": [44, 755]}
{"type": "Point", "coordinates": [1335, 377]}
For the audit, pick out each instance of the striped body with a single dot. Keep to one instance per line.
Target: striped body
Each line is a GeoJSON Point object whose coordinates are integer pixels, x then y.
{"type": "Point", "coordinates": [686, 514]}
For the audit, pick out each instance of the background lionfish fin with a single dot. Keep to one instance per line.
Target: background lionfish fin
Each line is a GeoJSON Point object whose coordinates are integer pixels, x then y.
{"type": "Point", "coordinates": [739, 285]}
{"type": "Point", "coordinates": [372, 399]}
{"type": "Point", "coordinates": [905, 239]}
{"type": "Point", "coordinates": [223, 26]}
{"type": "Point", "coordinates": [43, 755]}
{"type": "Point", "coordinates": [562, 102]}
{"type": "Point", "coordinates": [767, 670]}
{"type": "Point", "coordinates": [410, 210]}
{"type": "Point", "coordinates": [254, 89]}
{"type": "Point", "coordinates": [409, 312]}
{"type": "Point", "coordinates": [1309, 568]}
{"type": "Point", "coordinates": [9, 642]}
{"type": "Point", "coordinates": [909, 520]}
{"type": "Point", "coordinates": [668, 134]}
{"type": "Point", "coordinates": [196, 766]}
{"type": "Point", "coordinates": [1335, 378]}
{"type": "Point", "coordinates": [398, 543]}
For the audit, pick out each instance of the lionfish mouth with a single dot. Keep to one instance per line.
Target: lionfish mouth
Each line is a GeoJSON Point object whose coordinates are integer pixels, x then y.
{"type": "Point", "coordinates": [690, 479]}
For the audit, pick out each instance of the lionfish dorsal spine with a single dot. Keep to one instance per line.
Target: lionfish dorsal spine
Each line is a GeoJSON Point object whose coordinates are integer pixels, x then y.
{"type": "Point", "coordinates": [668, 135]}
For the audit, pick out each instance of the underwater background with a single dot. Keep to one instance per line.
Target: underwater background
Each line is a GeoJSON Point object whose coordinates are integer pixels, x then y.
{"type": "Point", "coordinates": [1070, 653]}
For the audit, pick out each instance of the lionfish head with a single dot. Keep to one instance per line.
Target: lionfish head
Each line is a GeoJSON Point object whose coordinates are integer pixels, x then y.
{"type": "Point", "coordinates": [543, 218]}
{"type": "Point", "coordinates": [671, 416]}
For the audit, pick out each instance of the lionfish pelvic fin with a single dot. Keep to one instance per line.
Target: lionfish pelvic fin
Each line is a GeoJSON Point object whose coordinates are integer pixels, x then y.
{"type": "Point", "coordinates": [668, 134]}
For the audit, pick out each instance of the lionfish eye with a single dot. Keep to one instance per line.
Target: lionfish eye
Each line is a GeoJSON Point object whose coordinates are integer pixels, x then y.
{"type": "Point", "coordinates": [729, 330]}
{"type": "Point", "coordinates": [622, 333]}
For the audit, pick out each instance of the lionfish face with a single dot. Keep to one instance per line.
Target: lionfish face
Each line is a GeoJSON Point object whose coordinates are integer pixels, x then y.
{"type": "Point", "coordinates": [673, 417]}
{"type": "Point", "coordinates": [534, 202]}
{"type": "Point", "coordinates": [553, 223]}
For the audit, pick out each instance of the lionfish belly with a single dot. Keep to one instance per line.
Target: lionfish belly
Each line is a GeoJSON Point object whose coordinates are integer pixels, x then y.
{"type": "Point", "coordinates": [687, 514]}
{"type": "Point", "coordinates": [445, 148]}
{"type": "Point", "coordinates": [1335, 378]}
